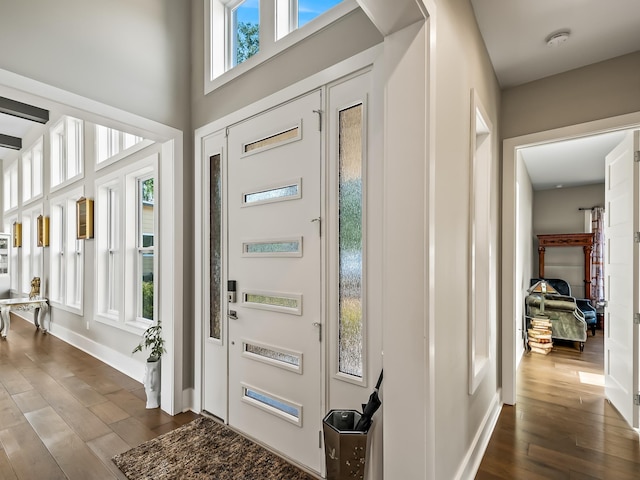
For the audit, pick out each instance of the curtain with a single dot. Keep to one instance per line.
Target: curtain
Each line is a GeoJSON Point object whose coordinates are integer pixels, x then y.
{"type": "Point", "coordinates": [597, 265]}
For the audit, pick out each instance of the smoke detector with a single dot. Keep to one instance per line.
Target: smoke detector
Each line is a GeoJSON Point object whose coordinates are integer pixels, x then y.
{"type": "Point", "coordinates": [558, 38]}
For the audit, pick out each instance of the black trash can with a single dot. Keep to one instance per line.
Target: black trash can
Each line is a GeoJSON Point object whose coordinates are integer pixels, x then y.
{"type": "Point", "coordinates": [345, 447]}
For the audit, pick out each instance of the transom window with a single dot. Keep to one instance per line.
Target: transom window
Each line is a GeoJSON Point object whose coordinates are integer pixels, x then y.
{"type": "Point", "coordinates": [244, 33]}
{"type": "Point", "coordinates": [113, 145]}
{"type": "Point", "coordinates": [32, 172]}
{"type": "Point", "coordinates": [66, 151]}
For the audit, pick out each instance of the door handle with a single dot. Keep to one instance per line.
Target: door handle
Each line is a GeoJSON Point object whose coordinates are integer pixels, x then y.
{"type": "Point", "coordinates": [232, 315]}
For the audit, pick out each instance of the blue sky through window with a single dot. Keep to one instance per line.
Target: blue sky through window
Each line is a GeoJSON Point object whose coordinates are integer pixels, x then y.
{"type": "Point", "coordinates": [307, 10]}
{"type": "Point", "coordinates": [249, 11]}
{"type": "Point", "coordinates": [310, 9]}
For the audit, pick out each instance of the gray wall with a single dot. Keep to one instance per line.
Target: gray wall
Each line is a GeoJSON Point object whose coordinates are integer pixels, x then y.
{"type": "Point", "coordinates": [462, 64]}
{"type": "Point", "coordinates": [598, 91]}
{"type": "Point", "coordinates": [132, 55]}
{"type": "Point", "coordinates": [556, 211]}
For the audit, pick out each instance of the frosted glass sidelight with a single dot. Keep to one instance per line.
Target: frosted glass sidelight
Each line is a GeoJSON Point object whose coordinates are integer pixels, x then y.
{"type": "Point", "coordinates": [273, 140]}
{"type": "Point", "coordinates": [350, 241]}
{"type": "Point", "coordinates": [215, 247]}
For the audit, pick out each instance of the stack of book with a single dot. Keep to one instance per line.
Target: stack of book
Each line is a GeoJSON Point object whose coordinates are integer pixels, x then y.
{"type": "Point", "coordinates": [540, 335]}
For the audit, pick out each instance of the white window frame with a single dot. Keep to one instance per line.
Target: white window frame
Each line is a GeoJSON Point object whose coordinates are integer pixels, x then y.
{"type": "Point", "coordinates": [66, 152]}
{"type": "Point", "coordinates": [11, 186]}
{"type": "Point", "coordinates": [142, 250]}
{"type": "Point", "coordinates": [32, 168]}
{"type": "Point", "coordinates": [66, 259]}
{"type": "Point", "coordinates": [127, 313]}
{"type": "Point", "coordinates": [32, 258]}
{"type": "Point", "coordinates": [117, 146]}
{"type": "Point", "coordinates": [218, 69]}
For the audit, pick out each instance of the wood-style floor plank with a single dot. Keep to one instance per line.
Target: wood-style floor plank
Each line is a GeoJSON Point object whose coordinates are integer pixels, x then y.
{"type": "Point", "coordinates": [65, 414]}
{"type": "Point", "coordinates": [562, 425]}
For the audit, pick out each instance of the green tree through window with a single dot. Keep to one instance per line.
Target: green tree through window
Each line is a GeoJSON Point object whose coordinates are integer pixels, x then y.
{"type": "Point", "coordinates": [248, 41]}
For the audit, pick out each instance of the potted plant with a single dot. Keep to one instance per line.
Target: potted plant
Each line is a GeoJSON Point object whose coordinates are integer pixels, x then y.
{"type": "Point", "coordinates": [153, 341]}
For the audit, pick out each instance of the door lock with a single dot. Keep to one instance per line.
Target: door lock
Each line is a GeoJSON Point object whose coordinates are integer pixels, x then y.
{"type": "Point", "coordinates": [231, 291]}
{"type": "Point", "coordinates": [233, 315]}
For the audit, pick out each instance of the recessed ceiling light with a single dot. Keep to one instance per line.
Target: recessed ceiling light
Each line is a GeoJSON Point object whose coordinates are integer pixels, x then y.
{"type": "Point", "coordinates": [557, 38]}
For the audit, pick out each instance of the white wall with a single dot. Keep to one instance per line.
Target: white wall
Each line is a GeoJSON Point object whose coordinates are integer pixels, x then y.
{"type": "Point", "coordinates": [524, 254]}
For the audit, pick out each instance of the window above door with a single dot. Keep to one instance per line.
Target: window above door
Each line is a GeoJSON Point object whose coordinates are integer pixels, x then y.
{"type": "Point", "coordinates": [240, 34]}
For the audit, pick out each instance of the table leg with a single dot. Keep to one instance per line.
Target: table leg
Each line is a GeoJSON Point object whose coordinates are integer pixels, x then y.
{"type": "Point", "coordinates": [36, 314]}
{"type": "Point", "coordinates": [5, 322]}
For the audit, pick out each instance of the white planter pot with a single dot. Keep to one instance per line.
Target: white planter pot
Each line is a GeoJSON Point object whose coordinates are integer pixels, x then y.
{"type": "Point", "coordinates": [152, 383]}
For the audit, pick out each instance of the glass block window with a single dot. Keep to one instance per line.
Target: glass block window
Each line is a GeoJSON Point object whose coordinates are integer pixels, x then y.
{"type": "Point", "coordinates": [215, 248]}
{"type": "Point", "coordinates": [350, 199]}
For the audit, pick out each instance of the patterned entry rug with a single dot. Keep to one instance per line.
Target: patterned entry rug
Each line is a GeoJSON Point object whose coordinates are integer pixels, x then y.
{"type": "Point", "coordinates": [204, 449]}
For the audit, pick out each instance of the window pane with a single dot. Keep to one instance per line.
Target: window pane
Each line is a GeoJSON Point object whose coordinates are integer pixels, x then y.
{"type": "Point", "coordinates": [350, 241]}
{"type": "Point", "coordinates": [147, 213]}
{"type": "Point", "coordinates": [246, 31]}
{"type": "Point", "coordinates": [147, 285]}
{"type": "Point", "coordinates": [310, 9]}
{"type": "Point", "coordinates": [284, 193]}
{"type": "Point", "coordinates": [215, 247]}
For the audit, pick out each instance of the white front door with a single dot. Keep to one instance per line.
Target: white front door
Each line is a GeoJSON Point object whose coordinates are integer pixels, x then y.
{"type": "Point", "coordinates": [274, 257]}
{"type": "Point", "coordinates": [621, 278]}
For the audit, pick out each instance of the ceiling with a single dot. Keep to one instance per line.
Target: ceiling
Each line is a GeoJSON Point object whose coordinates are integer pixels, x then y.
{"type": "Point", "coordinates": [515, 33]}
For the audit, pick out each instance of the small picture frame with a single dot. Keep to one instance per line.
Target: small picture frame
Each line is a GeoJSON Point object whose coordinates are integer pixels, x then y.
{"type": "Point", "coordinates": [43, 231]}
{"type": "Point", "coordinates": [84, 218]}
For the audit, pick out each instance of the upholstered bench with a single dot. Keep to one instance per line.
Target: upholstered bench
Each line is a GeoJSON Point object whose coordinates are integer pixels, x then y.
{"type": "Point", "coordinates": [567, 321]}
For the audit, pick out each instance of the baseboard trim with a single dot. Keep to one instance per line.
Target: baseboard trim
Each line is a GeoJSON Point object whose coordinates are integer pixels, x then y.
{"type": "Point", "coordinates": [471, 463]}
{"type": "Point", "coordinates": [123, 363]}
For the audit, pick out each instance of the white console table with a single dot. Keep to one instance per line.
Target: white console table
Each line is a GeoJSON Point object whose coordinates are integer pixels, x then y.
{"type": "Point", "coordinates": [38, 305]}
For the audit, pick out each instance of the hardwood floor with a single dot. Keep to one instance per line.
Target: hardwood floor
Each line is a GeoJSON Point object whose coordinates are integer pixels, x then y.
{"type": "Point", "coordinates": [562, 427]}
{"type": "Point", "coordinates": [64, 414]}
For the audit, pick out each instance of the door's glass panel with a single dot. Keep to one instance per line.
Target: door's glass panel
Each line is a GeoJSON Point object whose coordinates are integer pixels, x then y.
{"type": "Point", "coordinates": [310, 9]}
{"type": "Point", "coordinates": [245, 20]}
{"type": "Point", "coordinates": [273, 248]}
{"type": "Point", "coordinates": [215, 247]}
{"type": "Point", "coordinates": [273, 140]}
{"type": "Point", "coordinates": [350, 241]}
{"type": "Point", "coordinates": [287, 192]}
{"type": "Point", "coordinates": [290, 303]}
{"type": "Point", "coordinates": [273, 356]}
{"type": "Point", "coordinates": [272, 404]}
{"type": "Point", "coordinates": [274, 301]}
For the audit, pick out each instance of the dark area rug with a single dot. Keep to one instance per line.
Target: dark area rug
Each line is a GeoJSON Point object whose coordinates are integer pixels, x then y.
{"type": "Point", "coordinates": [204, 449]}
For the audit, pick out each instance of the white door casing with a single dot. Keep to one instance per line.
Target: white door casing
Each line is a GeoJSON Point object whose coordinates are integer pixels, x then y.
{"type": "Point", "coordinates": [274, 255]}
{"type": "Point", "coordinates": [621, 277]}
